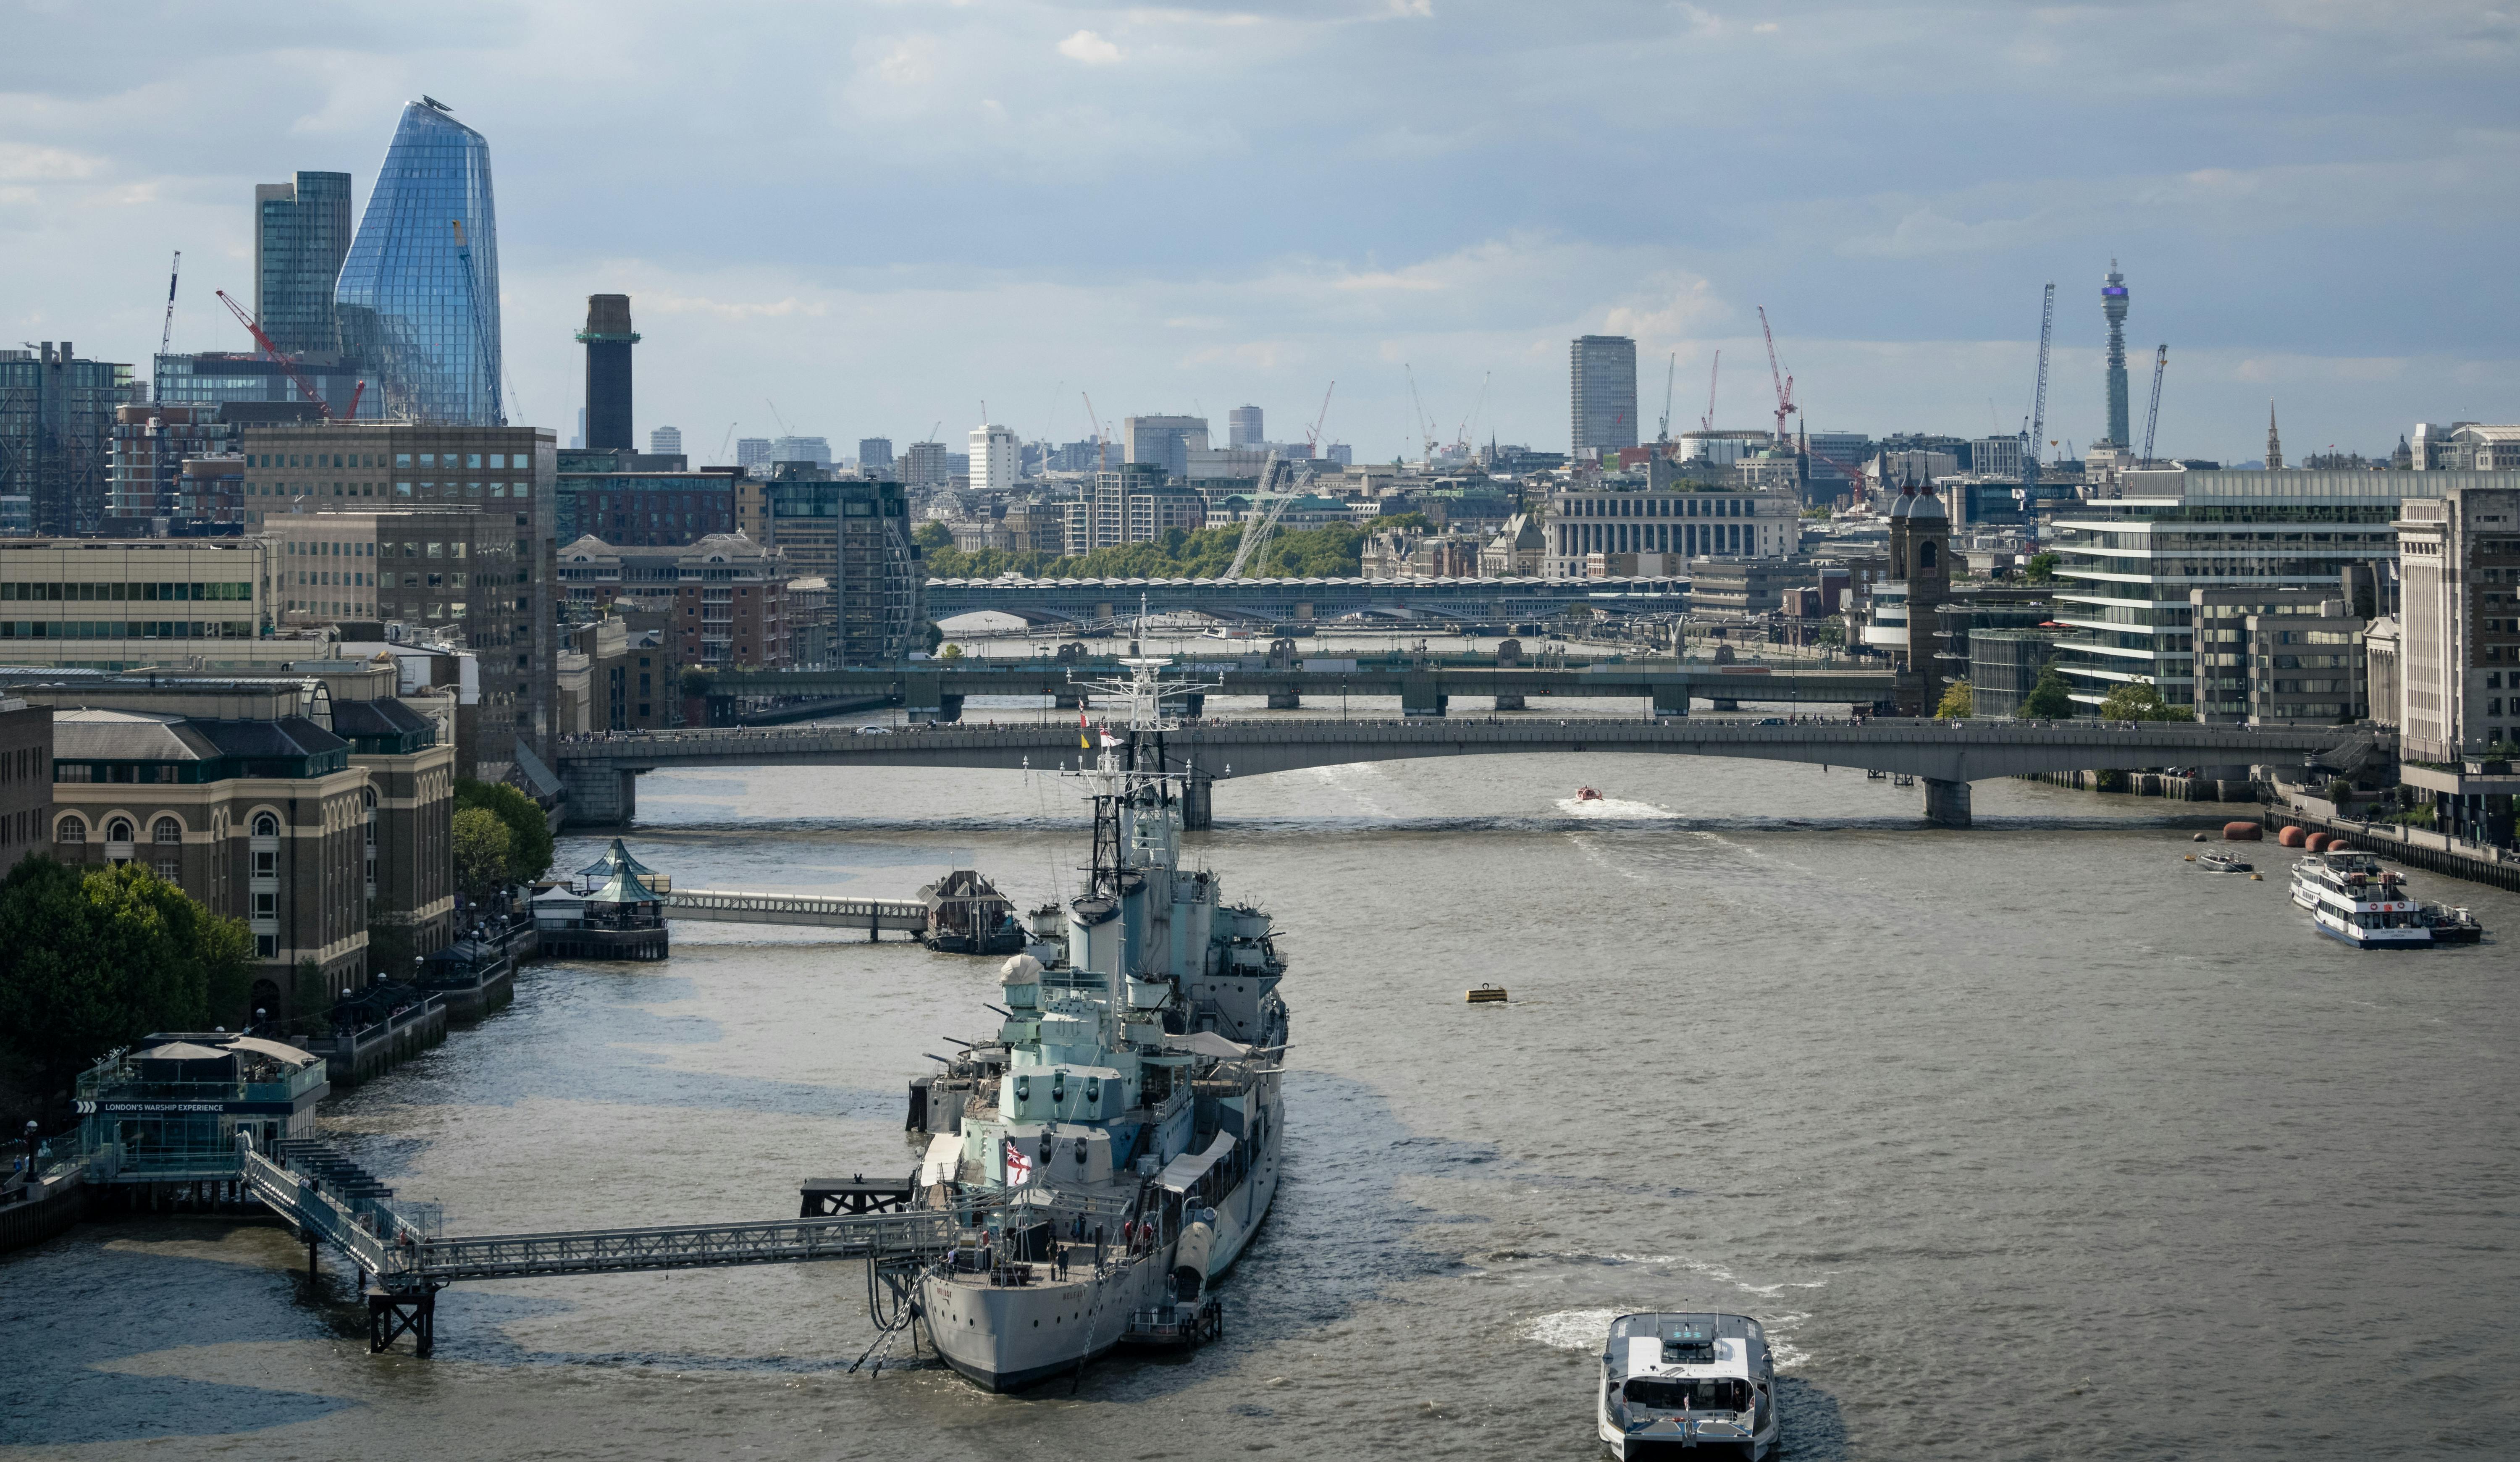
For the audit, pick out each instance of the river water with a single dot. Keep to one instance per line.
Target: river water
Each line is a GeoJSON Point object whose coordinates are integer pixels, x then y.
{"type": "Point", "coordinates": [2025, 1141]}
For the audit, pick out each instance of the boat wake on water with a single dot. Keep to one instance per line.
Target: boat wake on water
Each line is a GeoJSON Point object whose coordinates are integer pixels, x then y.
{"type": "Point", "coordinates": [1597, 808]}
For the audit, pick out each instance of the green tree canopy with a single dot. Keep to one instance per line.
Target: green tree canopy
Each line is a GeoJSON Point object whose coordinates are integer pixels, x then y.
{"type": "Point", "coordinates": [1956, 700]}
{"type": "Point", "coordinates": [2140, 700]}
{"type": "Point", "coordinates": [2047, 700]}
{"type": "Point", "coordinates": [2040, 568]}
{"type": "Point", "coordinates": [934, 533]}
{"type": "Point", "coordinates": [484, 847]}
{"type": "Point", "coordinates": [100, 957]}
{"type": "Point", "coordinates": [529, 837]}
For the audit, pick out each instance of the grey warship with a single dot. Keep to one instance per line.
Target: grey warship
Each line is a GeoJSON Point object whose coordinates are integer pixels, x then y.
{"type": "Point", "coordinates": [1115, 1143]}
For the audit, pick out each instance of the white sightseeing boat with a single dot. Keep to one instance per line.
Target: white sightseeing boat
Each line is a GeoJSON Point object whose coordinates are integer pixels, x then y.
{"type": "Point", "coordinates": [2356, 900]}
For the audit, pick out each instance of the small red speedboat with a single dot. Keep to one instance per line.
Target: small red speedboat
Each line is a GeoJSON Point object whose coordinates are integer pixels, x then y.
{"type": "Point", "coordinates": [1586, 794]}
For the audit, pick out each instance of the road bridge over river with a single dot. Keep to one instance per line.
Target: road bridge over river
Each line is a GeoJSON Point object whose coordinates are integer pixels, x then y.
{"type": "Point", "coordinates": [1270, 601]}
{"type": "Point", "coordinates": [1426, 685]}
{"type": "Point", "coordinates": [601, 771]}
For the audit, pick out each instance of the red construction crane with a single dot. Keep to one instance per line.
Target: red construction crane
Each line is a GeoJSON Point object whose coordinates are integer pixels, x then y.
{"type": "Point", "coordinates": [288, 363]}
{"type": "Point", "coordinates": [1785, 383]}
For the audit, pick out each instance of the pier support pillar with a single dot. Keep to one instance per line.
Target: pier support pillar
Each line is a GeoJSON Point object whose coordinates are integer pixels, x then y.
{"type": "Point", "coordinates": [1194, 704]}
{"type": "Point", "coordinates": [1946, 803]}
{"type": "Point", "coordinates": [600, 794]}
{"type": "Point", "coordinates": [1670, 701]}
{"type": "Point", "coordinates": [1419, 696]}
{"type": "Point", "coordinates": [1067, 700]}
{"type": "Point", "coordinates": [1199, 802]}
{"type": "Point", "coordinates": [1286, 700]}
{"type": "Point", "coordinates": [1511, 703]}
{"type": "Point", "coordinates": [949, 709]}
{"type": "Point", "coordinates": [1725, 705]}
{"type": "Point", "coordinates": [390, 1316]}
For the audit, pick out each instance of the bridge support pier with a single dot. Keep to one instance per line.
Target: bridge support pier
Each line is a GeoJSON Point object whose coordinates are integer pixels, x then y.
{"type": "Point", "coordinates": [1670, 701]}
{"type": "Point", "coordinates": [1726, 706]}
{"type": "Point", "coordinates": [948, 710]}
{"type": "Point", "coordinates": [1286, 700]}
{"type": "Point", "coordinates": [1946, 803]}
{"type": "Point", "coordinates": [1199, 802]}
{"type": "Point", "coordinates": [1511, 703]}
{"type": "Point", "coordinates": [1419, 697]}
{"type": "Point", "coordinates": [599, 795]}
{"type": "Point", "coordinates": [1067, 700]}
{"type": "Point", "coordinates": [1194, 704]}
{"type": "Point", "coordinates": [390, 1316]}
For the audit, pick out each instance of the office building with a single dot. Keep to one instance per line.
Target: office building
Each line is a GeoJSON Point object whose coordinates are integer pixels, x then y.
{"type": "Point", "coordinates": [731, 607]}
{"type": "Point", "coordinates": [26, 781]}
{"type": "Point", "coordinates": [1163, 441]}
{"type": "Point", "coordinates": [2132, 563]}
{"type": "Point", "coordinates": [2276, 656]}
{"type": "Point", "coordinates": [627, 498]}
{"type": "Point", "coordinates": [507, 473]}
{"type": "Point", "coordinates": [665, 441]}
{"type": "Point", "coordinates": [2113, 306]}
{"type": "Point", "coordinates": [2459, 647]}
{"type": "Point", "coordinates": [301, 237]}
{"type": "Point", "coordinates": [1688, 518]}
{"type": "Point", "coordinates": [751, 452]}
{"type": "Point", "coordinates": [96, 602]}
{"type": "Point", "coordinates": [2474, 447]}
{"type": "Point", "coordinates": [996, 459]}
{"type": "Point", "coordinates": [605, 424]}
{"type": "Point", "coordinates": [1602, 371]}
{"type": "Point", "coordinates": [419, 294]}
{"type": "Point", "coordinates": [2004, 665]}
{"type": "Point", "coordinates": [210, 379]}
{"type": "Point", "coordinates": [875, 455]}
{"type": "Point", "coordinates": [854, 534]}
{"type": "Point", "coordinates": [923, 465]}
{"type": "Point", "coordinates": [57, 415]}
{"type": "Point", "coordinates": [1242, 429]}
{"type": "Point", "coordinates": [814, 449]}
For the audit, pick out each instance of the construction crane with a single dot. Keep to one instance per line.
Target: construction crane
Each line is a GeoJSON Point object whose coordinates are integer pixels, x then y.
{"type": "Point", "coordinates": [1461, 438]}
{"type": "Point", "coordinates": [1714, 372]}
{"type": "Point", "coordinates": [1314, 436]}
{"type": "Point", "coordinates": [489, 360]}
{"type": "Point", "coordinates": [1670, 368]}
{"type": "Point", "coordinates": [1426, 428]}
{"type": "Point", "coordinates": [728, 442]}
{"type": "Point", "coordinates": [167, 333]}
{"type": "Point", "coordinates": [1101, 456]}
{"type": "Point", "coordinates": [2039, 398]}
{"type": "Point", "coordinates": [1257, 525]}
{"type": "Point", "coordinates": [1784, 383]}
{"type": "Point", "coordinates": [2152, 416]}
{"type": "Point", "coordinates": [288, 363]}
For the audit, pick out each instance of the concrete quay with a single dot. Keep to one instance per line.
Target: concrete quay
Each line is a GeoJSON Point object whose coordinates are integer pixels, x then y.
{"type": "Point", "coordinates": [601, 771]}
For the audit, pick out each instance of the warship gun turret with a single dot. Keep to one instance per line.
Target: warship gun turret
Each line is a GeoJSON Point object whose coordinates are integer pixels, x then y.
{"type": "Point", "coordinates": [1115, 1144]}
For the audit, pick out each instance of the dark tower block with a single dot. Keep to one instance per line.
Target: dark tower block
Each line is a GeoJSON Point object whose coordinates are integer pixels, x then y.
{"type": "Point", "coordinates": [607, 337]}
{"type": "Point", "coordinates": [1920, 561]}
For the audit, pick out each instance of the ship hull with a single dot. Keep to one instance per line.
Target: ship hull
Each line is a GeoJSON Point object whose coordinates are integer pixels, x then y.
{"type": "Point", "coordinates": [1008, 1337]}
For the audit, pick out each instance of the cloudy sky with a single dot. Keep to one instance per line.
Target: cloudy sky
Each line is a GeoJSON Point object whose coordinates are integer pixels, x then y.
{"type": "Point", "coordinates": [879, 215]}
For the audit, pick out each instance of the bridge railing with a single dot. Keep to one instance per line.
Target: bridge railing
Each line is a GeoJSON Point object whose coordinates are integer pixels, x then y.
{"type": "Point", "coordinates": [687, 1246]}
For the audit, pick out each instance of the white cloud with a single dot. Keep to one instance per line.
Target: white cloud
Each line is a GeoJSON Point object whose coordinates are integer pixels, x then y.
{"type": "Point", "coordinates": [33, 162]}
{"type": "Point", "coordinates": [1089, 48]}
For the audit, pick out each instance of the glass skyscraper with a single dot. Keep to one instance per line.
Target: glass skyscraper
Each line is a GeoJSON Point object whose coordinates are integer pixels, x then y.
{"type": "Point", "coordinates": [1603, 372]}
{"type": "Point", "coordinates": [301, 232]}
{"type": "Point", "coordinates": [419, 296]}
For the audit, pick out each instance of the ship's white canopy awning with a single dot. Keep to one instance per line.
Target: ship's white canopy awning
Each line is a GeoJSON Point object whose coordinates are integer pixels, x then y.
{"type": "Point", "coordinates": [1184, 1170]}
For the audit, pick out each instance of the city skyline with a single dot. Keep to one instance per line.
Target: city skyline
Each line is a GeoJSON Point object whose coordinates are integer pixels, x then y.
{"type": "Point", "coordinates": [1903, 278]}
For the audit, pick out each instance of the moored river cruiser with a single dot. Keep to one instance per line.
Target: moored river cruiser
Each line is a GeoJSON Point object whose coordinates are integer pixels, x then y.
{"type": "Point", "coordinates": [2354, 900]}
{"type": "Point", "coordinates": [1694, 1383]}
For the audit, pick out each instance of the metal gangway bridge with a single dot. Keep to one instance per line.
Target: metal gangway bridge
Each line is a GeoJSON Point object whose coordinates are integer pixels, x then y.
{"type": "Point", "coordinates": [405, 1262]}
{"type": "Point", "coordinates": [737, 907]}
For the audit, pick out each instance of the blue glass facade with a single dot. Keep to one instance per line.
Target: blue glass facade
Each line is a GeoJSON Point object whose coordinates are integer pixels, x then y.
{"type": "Point", "coordinates": [419, 297]}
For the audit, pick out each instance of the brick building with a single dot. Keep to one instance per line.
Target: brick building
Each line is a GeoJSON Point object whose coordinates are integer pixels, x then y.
{"type": "Point", "coordinates": [731, 605]}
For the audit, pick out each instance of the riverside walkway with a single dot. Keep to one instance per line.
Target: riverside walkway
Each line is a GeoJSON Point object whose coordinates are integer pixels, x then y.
{"type": "Point", "coordinates": [1945, 756]}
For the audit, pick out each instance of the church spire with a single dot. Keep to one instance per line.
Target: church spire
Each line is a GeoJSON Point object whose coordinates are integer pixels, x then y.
{"type": "Point", "coordinates": [2274, 443]}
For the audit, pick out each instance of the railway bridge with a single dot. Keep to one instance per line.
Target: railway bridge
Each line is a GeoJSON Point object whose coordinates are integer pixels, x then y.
{"type": "Point", "coordinates": [601, 771]}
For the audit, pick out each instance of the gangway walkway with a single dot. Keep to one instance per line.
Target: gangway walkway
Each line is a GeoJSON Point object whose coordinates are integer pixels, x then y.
{"type": "Point", "coordinates": [738, 907]}
{"type": "Point", "coordinates": [331, 1201]}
